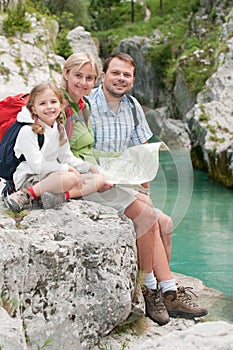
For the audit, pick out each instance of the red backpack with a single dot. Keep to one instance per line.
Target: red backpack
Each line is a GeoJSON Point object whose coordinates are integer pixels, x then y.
{"type": "Point", "coordinates": [9, 108]}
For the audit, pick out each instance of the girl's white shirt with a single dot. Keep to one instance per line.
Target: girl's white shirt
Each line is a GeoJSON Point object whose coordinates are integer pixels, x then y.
{"type": "Point", "coordinates": [50, 158]}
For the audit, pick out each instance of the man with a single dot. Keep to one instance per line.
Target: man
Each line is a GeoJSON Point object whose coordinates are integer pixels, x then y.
{"type": "Point", "coordinates": [114, 125]}
{"type": "Point", "coordinates": [115, 130]}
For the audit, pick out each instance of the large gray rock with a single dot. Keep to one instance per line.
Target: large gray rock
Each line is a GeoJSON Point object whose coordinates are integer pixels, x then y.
{"type": "Point", "coordinates": [173, 132]}
{"type": "Point", "coordinates": [12, 335]}
{"type": "Point", "coordinates": [72, 272]}
{"type": "Point", "coordinates": [81, 41]}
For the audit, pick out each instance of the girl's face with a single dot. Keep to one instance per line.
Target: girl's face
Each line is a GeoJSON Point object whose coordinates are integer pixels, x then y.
{"type": "Point", "coordinates": [80, 82]}
{"type": "Point", "coordinates": [47, 106]}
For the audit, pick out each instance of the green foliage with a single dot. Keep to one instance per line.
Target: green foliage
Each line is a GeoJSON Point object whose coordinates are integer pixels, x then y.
{"type": "Point", "coordinates": [160, 57]}
{"type": "Point", "coordinates": [203, 117]}
{"type": "Point", "coordinates": [66, 21]}
{"type": "Point", "coordinates": [46, 344]}
{"type": "Point", "coordinates": [10, 305]}
{"type": "Point", "coordinates": [108, 14]}
{"type": "Point", "coordinates": [18, 217]}
{"type": "Point", "coordinates": [76, 11]}
{"type": "Point", "coordinates": [62, 46]}
{"type": "Point", "coordinates": [16, 20]}
{"type": "Point", "coordinates": [4, 71]}
{"type": "Point", "coordinates": [195, 6]}
{"type": "Point", "coordinates": [216, 139]}
{"type": "Point", "coordinates": [211, 128]}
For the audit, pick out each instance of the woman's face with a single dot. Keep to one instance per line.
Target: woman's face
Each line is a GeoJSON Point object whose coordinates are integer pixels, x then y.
{"type": "Point", "coordinates": [80, 82]}
{"type": "Point", "coordinates": [47, 106]}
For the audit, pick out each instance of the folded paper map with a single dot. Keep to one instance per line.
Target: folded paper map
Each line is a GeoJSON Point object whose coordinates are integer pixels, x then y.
{"type": "Point", "coordinates": [139, 164]}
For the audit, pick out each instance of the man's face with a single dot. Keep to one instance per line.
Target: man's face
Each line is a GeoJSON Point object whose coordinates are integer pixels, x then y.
{"type": "Point", "coordinates": [119, 78]}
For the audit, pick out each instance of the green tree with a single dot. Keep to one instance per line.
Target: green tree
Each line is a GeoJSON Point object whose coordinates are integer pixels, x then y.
{"type": "Point", "coordinates": [77, 8]}
{"type": "Point", "coordinates": [16, 20]}
{"type": "Point", "coordinates": [161, 7]}
{"type": "Point", "coordinates": [108, 14]}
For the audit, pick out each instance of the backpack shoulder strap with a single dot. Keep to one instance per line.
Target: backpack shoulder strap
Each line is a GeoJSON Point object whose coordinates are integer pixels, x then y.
{"type": "Point", "coordinates": [40, 138]}
{"type": "Point", "coordinates": [134, 111]}
{"type": "Point", "coordinates": [87, 101]}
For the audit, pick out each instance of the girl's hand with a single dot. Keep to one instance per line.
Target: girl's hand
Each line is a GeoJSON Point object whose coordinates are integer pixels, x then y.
{"type": "Point", "coordinates": [77, 173]}
{"type": "Point", "coordinates": [94, 169]}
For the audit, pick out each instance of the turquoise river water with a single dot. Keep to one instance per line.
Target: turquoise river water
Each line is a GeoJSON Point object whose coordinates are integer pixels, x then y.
{"type": "Point", "coordinates": [202, 213]}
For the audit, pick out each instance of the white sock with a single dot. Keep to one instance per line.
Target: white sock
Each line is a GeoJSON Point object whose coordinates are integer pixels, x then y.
{"type": "Point", "coordinates": [150, 281]}
{"type": "Point", "coordinates": [168, 285]}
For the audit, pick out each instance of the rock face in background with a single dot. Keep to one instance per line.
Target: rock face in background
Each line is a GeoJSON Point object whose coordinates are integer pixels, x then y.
{"type": "Point", "coordinates": [206, 128]}
{"type": "Point", "coordinates": [29, 60]}
{"type": "Point", "coordinates": [211, 119]}
{"type": "Point", "coordinates": [81, 41]}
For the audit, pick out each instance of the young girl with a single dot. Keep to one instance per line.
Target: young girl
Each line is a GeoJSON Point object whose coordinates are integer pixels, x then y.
{"type": "Point", "coordinates": [51, 172]}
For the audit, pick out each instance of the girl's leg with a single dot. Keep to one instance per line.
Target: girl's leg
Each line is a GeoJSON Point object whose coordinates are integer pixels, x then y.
{"type": "Point", "coordinates": [69, 182]}
{"type": "Point", "coordinates": [90, 183]}
{"type": "Point", "coordinates": [57, 183]}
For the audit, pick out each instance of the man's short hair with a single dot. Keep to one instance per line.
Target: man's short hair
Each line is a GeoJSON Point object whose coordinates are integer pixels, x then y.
{"type": "Point", "coordinates": [122, 56]}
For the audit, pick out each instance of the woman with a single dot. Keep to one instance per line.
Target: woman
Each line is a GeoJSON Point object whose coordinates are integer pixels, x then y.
{"type": "Point", "coordinates": [79, 76]}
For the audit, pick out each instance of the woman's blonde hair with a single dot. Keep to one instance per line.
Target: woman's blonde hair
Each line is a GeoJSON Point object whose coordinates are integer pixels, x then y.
{"type": "Point", "coordinates": [37, 126]}
{"type": "Point", "coordinates": [78, 60]}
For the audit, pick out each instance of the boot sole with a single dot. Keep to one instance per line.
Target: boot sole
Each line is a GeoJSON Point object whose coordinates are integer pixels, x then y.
{"type": "Point", "coordinates": [159, 323]}
{"type": "Point", "coordinates": [12, 206]}
{"type": "Point", "coordinates": [186, 315]}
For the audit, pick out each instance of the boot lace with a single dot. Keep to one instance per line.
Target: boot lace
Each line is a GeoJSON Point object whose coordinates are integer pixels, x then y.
{"type": "Point", "coordinates": [23, 197]}
{"type": "Point", "coordinates": [185, 295]}
{"type": "Point", "coordinates": [158, 301]}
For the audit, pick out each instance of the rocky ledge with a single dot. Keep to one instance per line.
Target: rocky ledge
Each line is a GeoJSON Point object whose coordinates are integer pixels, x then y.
{"type": "Point", "coordinates": [70, 275]}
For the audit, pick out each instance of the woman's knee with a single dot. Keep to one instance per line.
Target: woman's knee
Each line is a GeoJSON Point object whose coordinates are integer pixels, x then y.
{"type": "Point", "coordinates": [145, 219]}
{"type": "Point", "coordinates": [165, 223]}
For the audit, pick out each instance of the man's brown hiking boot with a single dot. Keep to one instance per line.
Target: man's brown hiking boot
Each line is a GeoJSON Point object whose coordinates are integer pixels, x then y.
{"type": "Point", "coordinates": [179, 304]}
{"type": "Point", "coordinates": [155, 308]}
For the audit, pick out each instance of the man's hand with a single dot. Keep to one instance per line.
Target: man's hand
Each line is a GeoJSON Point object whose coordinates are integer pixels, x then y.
{"type": "Point", "coordinates": [146, 185]}
{"type": "Point", "coordinates": [106, 187]}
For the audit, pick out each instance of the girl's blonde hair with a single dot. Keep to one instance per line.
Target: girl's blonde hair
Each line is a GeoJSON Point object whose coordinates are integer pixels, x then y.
{"type": "Point", "coordinates": [37, 126]}
{"type": "Point", "coordinates": [78, 60]}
